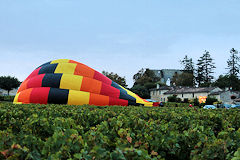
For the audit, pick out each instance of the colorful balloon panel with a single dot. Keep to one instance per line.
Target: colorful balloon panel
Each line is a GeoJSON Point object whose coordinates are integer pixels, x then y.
{"type": "Point", "coordinates": [66, 81]}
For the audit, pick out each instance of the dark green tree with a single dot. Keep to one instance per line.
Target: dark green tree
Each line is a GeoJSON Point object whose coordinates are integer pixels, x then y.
{"type": "Point", "coordinates": [189, 69]}
{"type": "Point", "coordinates": [233, 63]}
{"type": "Point", "coordinates": [234, 83]}
{"type": "Point", "coordinates": [174, 98]}
{"type": "Point", "coordinates": [138, 75]}
{"type": "Point", "coordinates": [199, 73]}
{"type": "Point", "coordinates": [141, 91]}
{"type": "Point", "coordinates": [210, 100]}
{"type": "Point", "coordinates": [145, 75]}
{"type": "Point", "coordinates": [188, 64]}
{"type": "Point", "coordinates": [222, 82]}
{"type": "Point", "coordinates": [184, 79]}
{"type": "Point", "coordinates": [205, 67]}
{"type": "Point", "coordinates": [116, 78]}
{"type": "Point", "coordinates": [144, 80]}
{"type": "Point", "coordinates": [233, 70]}
{"type": "Point", "coordinates": [227, 81]}
{"type": "Point", "coordinates": [9, 83]}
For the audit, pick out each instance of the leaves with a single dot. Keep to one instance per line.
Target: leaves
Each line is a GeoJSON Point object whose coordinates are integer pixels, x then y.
{"type": "Point", "coordinates": [129, 139]}
{"type": "Point", "coordinates": [153, 153]}
{"type": "Point", "coordinates": [116, 78]}
{"type": "Point", "coordinates": [8, 83]}
{"type": "Point", "coordinates": [91, 132]}
{"type": "Point", "coordinates": [204, 71]}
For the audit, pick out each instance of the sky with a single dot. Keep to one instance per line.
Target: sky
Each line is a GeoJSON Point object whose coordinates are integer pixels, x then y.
{"type": "Point", "coordinates": [120, 36]}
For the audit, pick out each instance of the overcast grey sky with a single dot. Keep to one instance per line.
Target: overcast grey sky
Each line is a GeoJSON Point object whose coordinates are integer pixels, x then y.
{"type": "Point", "coordinates": [120, 36]}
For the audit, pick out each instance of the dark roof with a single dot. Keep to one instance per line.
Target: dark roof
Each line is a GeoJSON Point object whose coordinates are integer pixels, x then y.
{"type": "Point", "coordinates": [217, 93]}
{"type": "Point", "coordinates": [190, 90]}
{"type": "Point", "coordinates": [162, 88]}
{"type": "Point", "coordinates": [231, 92]}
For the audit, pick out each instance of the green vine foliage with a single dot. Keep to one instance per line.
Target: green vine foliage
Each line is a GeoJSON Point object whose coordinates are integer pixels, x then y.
{"type": "Point", "coordinates": [119, 133]}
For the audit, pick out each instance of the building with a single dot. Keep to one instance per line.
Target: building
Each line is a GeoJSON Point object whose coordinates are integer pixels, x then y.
{"type": "Point", "coordinates": [158, 93]}
{"type": "Point", "coordinates": [5, 92]}
{"type": "Point", "coordinates": [226, 96]}
{"type": "Point", "coordinates": [161, 93]}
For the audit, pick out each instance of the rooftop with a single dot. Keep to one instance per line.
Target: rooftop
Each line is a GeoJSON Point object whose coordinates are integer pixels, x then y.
{"type": "Point", "coordinates": [162, 88]}
{"type": "Point", "coordinates": [192, 90]}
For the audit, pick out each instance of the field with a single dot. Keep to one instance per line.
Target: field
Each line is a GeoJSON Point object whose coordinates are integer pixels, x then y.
{"type": "Point", "coordinates": [91, 132]}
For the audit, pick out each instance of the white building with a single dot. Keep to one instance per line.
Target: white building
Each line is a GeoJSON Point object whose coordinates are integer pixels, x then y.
{"type": "Point", "coordinates": [158, 94]}
{"type": "Point", "coordinates": [5, 92]}
{"type": "Point", "coordinates": [161, 93]}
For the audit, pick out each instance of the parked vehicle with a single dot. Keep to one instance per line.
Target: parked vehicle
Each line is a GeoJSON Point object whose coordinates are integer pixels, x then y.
{"type": "Point", "coordinates": [209, 107]}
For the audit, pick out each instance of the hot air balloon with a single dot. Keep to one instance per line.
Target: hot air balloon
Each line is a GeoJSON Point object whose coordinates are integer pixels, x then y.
{"type": "Point", "coordinates": [65, 81]}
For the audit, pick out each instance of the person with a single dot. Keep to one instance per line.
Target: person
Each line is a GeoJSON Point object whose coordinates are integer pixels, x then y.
{"type": "Point", "coordinates": [161, 104]}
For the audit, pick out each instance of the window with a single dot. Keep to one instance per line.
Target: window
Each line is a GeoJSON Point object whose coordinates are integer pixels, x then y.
{"type": "Point", "coordinates": [193, 95]}
{"type": "Point", "coordinates": [182, 95]}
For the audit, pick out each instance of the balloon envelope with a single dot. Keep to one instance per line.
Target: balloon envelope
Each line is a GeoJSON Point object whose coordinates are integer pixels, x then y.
{"type": "Point", "coordinates": [66, 81]}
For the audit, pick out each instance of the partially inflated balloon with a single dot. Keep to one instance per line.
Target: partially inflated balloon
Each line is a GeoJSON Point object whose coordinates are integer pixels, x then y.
{"type": "Point", "coordinates": [66, 81]}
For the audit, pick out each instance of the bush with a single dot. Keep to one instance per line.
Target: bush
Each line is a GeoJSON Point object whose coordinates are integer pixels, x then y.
{"type": "Point", "coordinates": [7, 98]}
{"type": "Point", "coordinates": [196, 102]}
{"type": "Point", "coordinates": [174, 98]}
{"type": "Point", "coordinates": [210, 100]}
{"type": "Point", "coordinates": [175, 104]}
{"type": "Point", "coordinates": [1, 98]}
{"type": "Point", "coordinates": [179, 100]}
{"type": "Point", "coordinates": [185, 100]}
{"type": "Point", "coordinates": [141, 91]}
{"type": "Point", "coordinates": [32, 131]}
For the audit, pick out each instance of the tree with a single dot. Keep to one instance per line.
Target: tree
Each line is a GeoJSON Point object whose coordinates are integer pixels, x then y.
{"type": "Point", "coordinates": [141, 91]}
{"type": "Point", "coordinates": [210, 100]}
{"type": "Point", "coordinates": [145, 75]}
{"type": "Point", "coordinates": [138, 75]}
{"type": "Point", "coordinates": [116, 78]}
{"type": "Point", "coordinates": [144, 80]}
{"type": "Point", "coordinates": [174, 98]}
{"type": "Point", "coordinates": [184, 79]}
{"type": "Point", "coordinates": [9, 83]}
{"type": "Point", "coordinates": [233, 69]}
{"type": "Point", "coordinates": [189, 69]}
{"type": "Point", "coordinates": [188, 64]}
{"type": "Point", "coordinates": [233, 63]}
{"type": "Point", "coordinates": [222, 82]}
{"type": "Point", "coordinates": [234, 83]}
{"type": "Point", "coordinates": [205, 67]}
{"type": "Point", "coordinates": [227, 81]}
{"type": "Point", "coordinates": [199, 73]}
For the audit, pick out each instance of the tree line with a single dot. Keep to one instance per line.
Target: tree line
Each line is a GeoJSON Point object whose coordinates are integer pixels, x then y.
{"type": "Point", "coordinates": [202, 74]}
{"type": "Point", "coordinates": [199, 74]}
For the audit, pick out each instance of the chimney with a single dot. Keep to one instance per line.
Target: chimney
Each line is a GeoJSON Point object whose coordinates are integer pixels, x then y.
{"type": "Point", "coordinates": [158, 86]}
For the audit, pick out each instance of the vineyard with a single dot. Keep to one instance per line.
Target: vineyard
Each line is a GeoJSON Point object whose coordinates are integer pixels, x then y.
{"type": "Point", "coordinates": [91, 132]}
